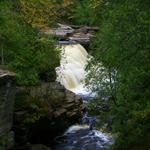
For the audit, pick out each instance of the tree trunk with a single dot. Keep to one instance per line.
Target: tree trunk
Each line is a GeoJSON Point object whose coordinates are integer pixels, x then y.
{"type": "Point", "coordinates": [2, 55]}
{"type": "Point", "coordinates": [113, 95]}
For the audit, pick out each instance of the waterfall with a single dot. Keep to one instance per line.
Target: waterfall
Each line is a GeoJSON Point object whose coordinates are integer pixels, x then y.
{"type": "Point", "coordinates": [71, 71]}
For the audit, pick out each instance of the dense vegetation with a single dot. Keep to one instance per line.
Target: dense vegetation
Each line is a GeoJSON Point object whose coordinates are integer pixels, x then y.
{"type": "Point", "coordinates": [121, 53]}
{"type": "Point", "coordinates": [24, 49]}
{"type": "Point", "coordinates": [119, 71]}
{"type": "Point", "coordinates": [44, 13]}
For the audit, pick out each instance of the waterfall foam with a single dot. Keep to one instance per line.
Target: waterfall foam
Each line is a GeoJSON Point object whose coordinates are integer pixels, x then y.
{"type": "Point", "coordinates": [71, 71]}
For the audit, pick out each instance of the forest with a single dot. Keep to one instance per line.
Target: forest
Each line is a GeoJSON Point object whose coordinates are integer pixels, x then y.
{"type": "Point", "coordinates": [121, 48]}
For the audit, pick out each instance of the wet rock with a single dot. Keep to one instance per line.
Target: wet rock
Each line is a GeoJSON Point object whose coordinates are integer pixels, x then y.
{"type": "Point", "coordinates": [71, 114]}
{"type": "Point", "coordinates": [39, 147]}
{"type": "Point", "coordinates": [7, 95]}
{"type": "Point", "coordinates": [73, 34]}
{"type": "Point", "coordinates": [69, 106]}
{"type": "Point", "coordinates": [44, 111]}
{"type": "Point", "coordinates": [60, 31]}
{"type": "Point", "coordinates": [93, 146]}
{"type": "Point", "coordinates": [60, 112]}
{"type": "Point", "coordinates": [82, 38]}
{"type": "Point", "coordinates": [70, 100]}
{"type": "Point", "coordinates": [79, 137]}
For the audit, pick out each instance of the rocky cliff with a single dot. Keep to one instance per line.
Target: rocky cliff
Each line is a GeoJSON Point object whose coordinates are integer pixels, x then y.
{"type": "Point", "coordinates": [7, 93]}
{"type": "Point", "coordinates": [40, 114]}
{"type": "Point", "coordinates": [43, 112]}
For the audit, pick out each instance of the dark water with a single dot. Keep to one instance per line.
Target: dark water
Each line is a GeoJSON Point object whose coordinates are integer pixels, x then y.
{"type": "Point", "coordinates": [80, 137]}
{"type": "Point", "coordinates": [83, 136]}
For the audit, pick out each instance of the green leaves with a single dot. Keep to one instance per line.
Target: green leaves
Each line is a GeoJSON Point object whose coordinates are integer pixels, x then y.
{"type": "Point", "coordinates": [83, 12]}
{"type": "Point", "coordinates": [25, 50]}
{"type": "Point", "coordinates": [122, 45]}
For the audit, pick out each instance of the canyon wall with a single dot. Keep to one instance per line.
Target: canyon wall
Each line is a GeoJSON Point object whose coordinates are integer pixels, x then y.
{"type": "Point", "coordinates": [7, 95]}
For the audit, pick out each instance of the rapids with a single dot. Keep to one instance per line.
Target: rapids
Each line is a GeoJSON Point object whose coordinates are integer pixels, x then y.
{"type": "Point", "coordinates": [79, 137]}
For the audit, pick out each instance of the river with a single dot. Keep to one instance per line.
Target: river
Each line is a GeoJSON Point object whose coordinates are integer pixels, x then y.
{"type": "Point", "coordinates": [71, 74]}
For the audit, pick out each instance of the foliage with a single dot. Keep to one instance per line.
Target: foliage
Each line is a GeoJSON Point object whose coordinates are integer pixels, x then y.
{"type": "Point", "coordinates": [122, 45]}
{"type": "Point", "coordinates": [85, 12]}
{"type": "Point", "coordinates": [34, 108]}
{"type": "Point", "coordinates": [120, 70]}
{"type": "Point", "coordinates": [105, 78]}
{"type": "Point", "coordinates": [25, 51]}
{"type": "Point", "coordinates": [44, 13]}
{"type": "Point", "coordinates": [3, 141]}
{"type": "Point", "coordinates": [6, 140]}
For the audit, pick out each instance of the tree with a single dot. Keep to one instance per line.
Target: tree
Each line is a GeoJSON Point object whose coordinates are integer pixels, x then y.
{"type": "Point", "coordinates": [44, 13]}
{"type": "Point", "coordinates": [101, 80]}
{"type": "Point", "coordinates": [25, 51]}
{"type": "Point", "coordinates": [122, 45]}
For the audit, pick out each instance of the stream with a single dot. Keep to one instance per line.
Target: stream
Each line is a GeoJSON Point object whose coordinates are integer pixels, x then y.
{"type": "Point", "coordinates": [79, 137]}
{"type": "Point", "coordinates": [71, 74]}
{"type": "Point", "coordinates": [83, 137]}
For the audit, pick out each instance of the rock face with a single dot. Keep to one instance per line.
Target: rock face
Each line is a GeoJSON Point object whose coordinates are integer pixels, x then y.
{"type": "Point", "coordinates": [73, 34]}
{"type": "Point", "coordinates": [7, 93]}
{"type": "Point", "coordinates": [43, 112]}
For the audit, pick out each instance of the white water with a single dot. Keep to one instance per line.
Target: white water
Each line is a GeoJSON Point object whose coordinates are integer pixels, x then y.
{"type": "Point", "coordinates": [103, 136]}
{"type": "Point", "coordinates": [79, 137]}
{"type": "Point", "coordinates": [71, 72]}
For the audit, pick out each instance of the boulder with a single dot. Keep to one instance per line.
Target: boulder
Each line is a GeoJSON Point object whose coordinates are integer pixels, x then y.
{"type": "Point", "coordinates": [43, 112]}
